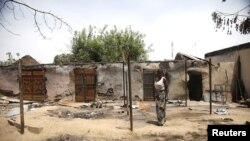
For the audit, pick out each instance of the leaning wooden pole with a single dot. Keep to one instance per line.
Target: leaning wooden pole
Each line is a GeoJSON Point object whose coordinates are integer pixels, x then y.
{"type": "Point", "coordinates": [21, 96]}
{"type": "Point", "coordinates": [130, 95]}
{"type": "Point", "coordinates": [210, 86]}
{"type": "Point", "coordinates": [186, 95]}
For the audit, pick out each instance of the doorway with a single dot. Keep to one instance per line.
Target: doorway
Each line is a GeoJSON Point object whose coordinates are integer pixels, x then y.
{"type": "Point", "coordinates": [195, 86]}
{"type": "Point", "coordinates": [85, 84]}
{"type": "Point", "coordinates": [148, 85]}
{"type": "Point", "coordinates": [33, 84]}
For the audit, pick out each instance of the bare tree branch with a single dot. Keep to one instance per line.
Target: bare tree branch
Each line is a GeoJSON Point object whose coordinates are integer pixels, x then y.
{"type": "Point", "coordinates": [38, 27]}
{"type": "Point", "coordinates": [20, 9]}
{"type": "Point", "coordinates": [228, 14]}
{"type": "Point", "coordinates": [60, 26]}
{"type": "Point", "coordinates": [12, 8]}
{"type": "Point", "coordinates": [235, 13]}
{"type": "Point", "coordinates": [8, 30]}
{"type": "Point", "coordinates": [3, 17]}
{"type": "Point", "coordinates": [43, 12]}
{"type": "Point", "coordinates": [45, 21]}
{"type": "Point", "coordinates": [237, 21]}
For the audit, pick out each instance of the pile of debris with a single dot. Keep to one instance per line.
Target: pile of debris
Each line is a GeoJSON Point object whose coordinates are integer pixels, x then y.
{"type": "Point", "coordinates": [8, 93]}
{"type": "Point", "coordinates": [67, 138]}
{"type": "Point", "coordinates": [108, 95]}
{"type": "Point", "coordinates": [66, 95]}
{"type": "Point", "coordinates": [69, 114]}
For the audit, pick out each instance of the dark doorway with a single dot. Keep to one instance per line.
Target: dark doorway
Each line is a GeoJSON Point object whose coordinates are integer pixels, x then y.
{"type": "Point", "coordinates": [148, 85]}
{"type": "Point", "coordinates": [195, 86]}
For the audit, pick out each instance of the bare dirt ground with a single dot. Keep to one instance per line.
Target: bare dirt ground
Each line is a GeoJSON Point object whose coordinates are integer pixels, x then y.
{"type": "Point", "coordinates": [111, 122]}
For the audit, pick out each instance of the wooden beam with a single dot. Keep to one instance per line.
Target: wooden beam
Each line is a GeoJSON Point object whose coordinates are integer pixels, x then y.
{"type": "Point", "coordinates": [126, 79]}
{"type": "Point", "coordinates": [186, 82]}
{"type": "Point", "coordinates": [210, 86]}
{"type": "Point", "coordinates": [130, 95]}
{"type": "Point", "coordinates": [123, 82]}
{"type": "Point", "coordinates": [21, 96]}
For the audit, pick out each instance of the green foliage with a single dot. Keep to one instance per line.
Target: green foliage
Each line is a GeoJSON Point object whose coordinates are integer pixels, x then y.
{"type": "Point", "coordinates": [102, 45]}
{"type": "Point", "coordinates": [63, 59]}
{"type": "Point", "coordinates": [10, 59]}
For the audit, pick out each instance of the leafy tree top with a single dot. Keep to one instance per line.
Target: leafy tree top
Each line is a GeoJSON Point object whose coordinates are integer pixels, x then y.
{"type": "Point", "coordinates": [103, 45]}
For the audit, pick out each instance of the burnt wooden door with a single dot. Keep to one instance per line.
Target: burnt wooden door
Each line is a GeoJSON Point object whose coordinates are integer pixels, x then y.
{"type": "Point", "coordinates": [148, 85]}
{"type": "Point", "coordinates": [85, 84]}
{"type": "Point", "coordinates": [33, 84]}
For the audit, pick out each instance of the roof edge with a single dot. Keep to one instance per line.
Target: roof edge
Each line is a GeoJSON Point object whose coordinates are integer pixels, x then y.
{"type": "Point", "coordinates": [230, 49]}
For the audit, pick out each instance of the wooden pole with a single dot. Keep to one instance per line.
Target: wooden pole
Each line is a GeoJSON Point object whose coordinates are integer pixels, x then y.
{"type": "Point", "coordinates": [186, 82]}
{"type": "Point", "coordinates": [126, 79]}
{"type": "Point", "coordinates": [21, 96]}
{"type": "Point", "coordinates": [130, 95]}
{"type": "Point", "coordinates": [123, 76]}
{"type": "Point", "coordinates": [210, 86]}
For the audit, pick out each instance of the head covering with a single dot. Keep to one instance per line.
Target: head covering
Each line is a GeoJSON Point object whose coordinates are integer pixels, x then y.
{"type": "Point", "coordinates": [160, 72]}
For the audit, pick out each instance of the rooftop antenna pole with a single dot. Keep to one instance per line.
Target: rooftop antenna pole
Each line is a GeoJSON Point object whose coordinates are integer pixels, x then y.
{"type": "Point", "coordinates": [172, 47]}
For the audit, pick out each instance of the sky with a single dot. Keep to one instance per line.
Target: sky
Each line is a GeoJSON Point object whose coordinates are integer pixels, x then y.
{"type": "Point", "coordinates": [186, 23]}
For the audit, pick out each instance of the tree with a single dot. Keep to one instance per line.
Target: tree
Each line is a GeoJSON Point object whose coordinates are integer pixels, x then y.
{"type": "Point", "coordinates": [10, 57]}
{"type": "Point", "coordinates": [86, 47]}
{"type": "Point", "coordinates": [14, 5]}
{"type": "Point", "coordinates": [96, 45]}
{"type": "Point", "coordinates": [228, 21]}
{"type": "Point", "coordinates": [63, 59]}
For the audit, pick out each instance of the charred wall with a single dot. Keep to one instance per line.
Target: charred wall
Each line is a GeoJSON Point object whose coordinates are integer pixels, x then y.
{"type": "Point", "coordinates": [61, 82]}
{"type": "Point", "coordinates": [232, 56]}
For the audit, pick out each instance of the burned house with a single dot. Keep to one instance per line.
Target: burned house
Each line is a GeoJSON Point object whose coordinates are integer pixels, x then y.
{"type": "Point", "coordinates": [198, 79]}
{"type": "Point", "coordinates": [197, 73]}
{"type": "Point", "coordinates": [90, 81]}
{"type": "Point", "coordinates": [236, 59]}
{"type": "Point", "coordinates": [187, 77]}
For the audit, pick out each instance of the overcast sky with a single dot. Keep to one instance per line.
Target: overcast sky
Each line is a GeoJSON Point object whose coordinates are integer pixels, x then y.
{"type": "Point", "coordinates": [186, 23]}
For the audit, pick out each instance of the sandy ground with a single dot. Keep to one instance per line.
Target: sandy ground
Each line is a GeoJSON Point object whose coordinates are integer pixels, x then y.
{"type": "Point", "coordinates": [183, 123]}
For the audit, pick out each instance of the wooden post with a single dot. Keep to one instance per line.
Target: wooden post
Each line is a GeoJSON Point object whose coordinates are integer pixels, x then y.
{"type": "Point", "coordinates": [236, 92]}
{"type": "Point", "coordinates": [210, 86]}
{"type": "Point", "coordinates": [21, 96]}
{"type": "Point", "coordinates": [126, 79]}
{"type": "Point", "coordinates": [130, 95]}
{"type": "Point", "coordinates": [123, 78]}
{"type": "Point", "coordinates": [186, 82]}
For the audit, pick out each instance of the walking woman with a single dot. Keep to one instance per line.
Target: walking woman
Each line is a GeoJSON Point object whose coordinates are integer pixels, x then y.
{"type": "Point", "coordinates": [161, 93]}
